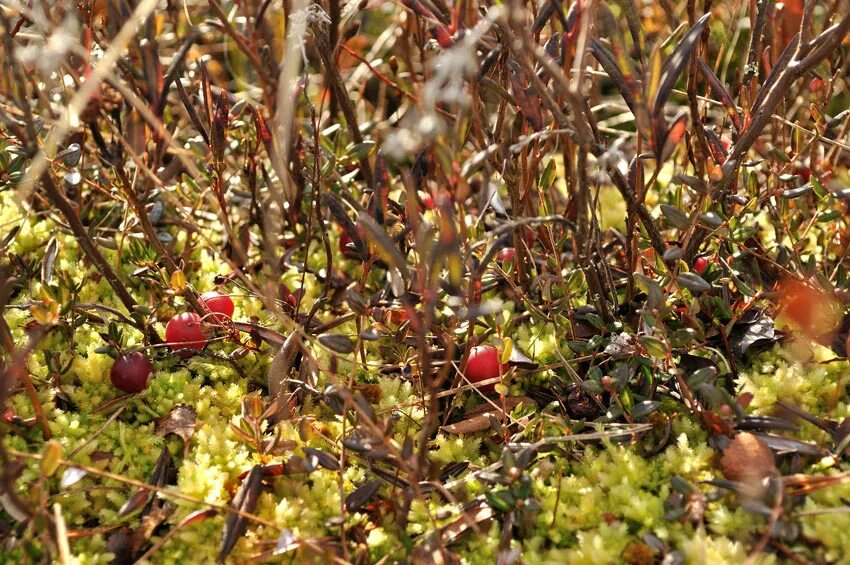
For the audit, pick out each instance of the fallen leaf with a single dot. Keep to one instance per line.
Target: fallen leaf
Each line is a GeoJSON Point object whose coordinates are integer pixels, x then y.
{"type": "Point", "coordinates": [479, 418]}
{"type": "Point", "coordinates": [748, 459]}
{"type": "Point", "coordinates": [180, 421]}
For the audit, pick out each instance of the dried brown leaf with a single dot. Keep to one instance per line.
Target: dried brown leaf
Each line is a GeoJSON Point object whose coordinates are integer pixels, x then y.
{"type": "Point", "coordinates": [748, 459]}
{"type": "Point", "coordinates": [179, 421]}
{"type": "Point", "coordinates": [479, 418]}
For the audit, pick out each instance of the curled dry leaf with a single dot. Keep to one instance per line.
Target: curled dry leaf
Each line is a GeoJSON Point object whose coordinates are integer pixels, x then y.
{"type": "Point", "coordinates": [479, 418]}
{"type": "Point", "coordinates": [179, 421]}
{"type": "Point", "coordinates": [748, 459]}
{"type": "Point", "coordinates": [282, 364]}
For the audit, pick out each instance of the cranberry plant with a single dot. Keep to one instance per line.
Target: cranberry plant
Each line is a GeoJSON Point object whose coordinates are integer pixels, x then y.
{"type": "Point", "coordinates": [410, 268]}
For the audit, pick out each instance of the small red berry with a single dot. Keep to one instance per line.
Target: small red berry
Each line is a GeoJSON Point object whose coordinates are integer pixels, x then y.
{"type": "Point", "coordinates": [442, 35]}
{"type": "Point", "coordinates": [847, 346]}
{"type": "Point", "coordinates": [805, 173]}
{"type": "Point", "coordinates": [131, 372]}
{"type": "Point", "coordinates": [483, 364]}
{"type": "Point", "coordinates": [816, 84]}
{"type": "Point", "coordinates": [506, 254]}
{"type": "Point", "coordinates": [427, 201]}
{"type": "Point", "coordinates": [183, 331]}
{"type": "Point", "coordinates": [218, 304]}
{"type": "Point", "coordinates": [700, 265]}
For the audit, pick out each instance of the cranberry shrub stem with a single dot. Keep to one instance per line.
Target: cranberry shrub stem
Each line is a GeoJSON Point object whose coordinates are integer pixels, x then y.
{"type": "Point", "coordinates": [93, 253]}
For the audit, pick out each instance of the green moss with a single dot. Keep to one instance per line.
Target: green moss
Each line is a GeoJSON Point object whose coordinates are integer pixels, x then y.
{"type": "Point", "coordinates": [593, 503]}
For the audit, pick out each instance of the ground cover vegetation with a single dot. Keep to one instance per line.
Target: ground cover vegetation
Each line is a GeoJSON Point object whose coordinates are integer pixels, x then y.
{"type": "Point", "coordinates": [427, 282]}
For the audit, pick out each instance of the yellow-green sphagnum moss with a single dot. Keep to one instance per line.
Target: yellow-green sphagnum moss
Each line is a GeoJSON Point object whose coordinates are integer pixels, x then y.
{"type": "Point", "coordinates": [593, 505]}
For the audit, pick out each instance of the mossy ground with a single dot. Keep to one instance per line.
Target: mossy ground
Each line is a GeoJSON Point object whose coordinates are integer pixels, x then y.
{"type": "Point", "coordinates": [596, 505]}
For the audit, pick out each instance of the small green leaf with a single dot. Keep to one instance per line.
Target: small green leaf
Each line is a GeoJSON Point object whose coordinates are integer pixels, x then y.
{"type": "Point", "coordinates": [702, 376]}
{"type": "Point", "coordinates": [644, 409]}
{"type": "Point", "coordinates": [693, 282]}
{"type": "Point", "coordinates": [653, 345]}
{"type": "Point", "coordinates": [360, 150]}
{"type": "Point", "coordinates": [501, 501]}
{"type": "Point", "coordinates": [793, 193]}
{"type": "Point", "coordinates": [676, 217]}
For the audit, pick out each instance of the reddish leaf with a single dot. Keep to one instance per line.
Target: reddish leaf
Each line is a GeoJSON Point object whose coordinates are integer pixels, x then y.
{"type": "Point", "coordinates": [197, 516]}
{"type": "Point", "coordinates": [673, 136]}
{"type": "Point", "coordinates": [361, 495]}
{"type": "Point", "coordinates": [337, 210]}
{"type": "Point", "coordinates": [792, 16]}
{"type": "Point", "coordinates": [219, 127]}
{"type": "Point", "coordinates": [718, 152]}
{"type": "Point", "coordinates": [609, 64]}
{"type": "Point", "coordinates": [721, 93]}
{"type": "Point", "coordinates": [136, 501]}
{"type": "Point", "coordinates": [529, 105]}
{"type": "Point", "coordinates": [262, 128]}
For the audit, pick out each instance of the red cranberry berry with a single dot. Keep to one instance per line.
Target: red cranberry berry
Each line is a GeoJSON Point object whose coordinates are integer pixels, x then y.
{"type": "Point", "coordinates": [700, 265]}
{"type": "Point", "coordinates": [506, 254]}
{"type": "Point", "coordinates": [428, 201]}
{"type": "Point", "coordinates": [805, 173]}
{"type": "Point", "coordinates": [218, 304]}
{"type": "Point", "coordinates": [483, 364]}
{"type": "Point", "coordinates": [131, 372]}
{"type": "Point", "coordinates": [184, 332]}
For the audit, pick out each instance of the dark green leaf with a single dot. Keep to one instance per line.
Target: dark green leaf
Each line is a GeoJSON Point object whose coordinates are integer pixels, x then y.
{"type": "Point", "coordinates": [246, 501]}
{"type": "Point", "coordinates": [337, 343]}
{"type": "Point", "coordinates": [693, 282]}
{"type": "Point", "coordinates": [675, 64]}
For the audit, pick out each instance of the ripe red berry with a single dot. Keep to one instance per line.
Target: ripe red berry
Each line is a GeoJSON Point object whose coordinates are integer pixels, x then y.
{"type": "Point", "coordinates": [184, 332]}
{"type": "Point", "coordinates": [483, 364]}
{"type": "Point", "coordinates": [427, 201]}
{"type": "Point", "coordinates": [805, 173]}
{"type": "Point", "coordinates": [131, 372]}
{"type": "Point", "coordinates": [218, 304]}
{"type": "Point", "coordinates": [506, 254]}
{"type": "Point", "coordinates": [700, 265]}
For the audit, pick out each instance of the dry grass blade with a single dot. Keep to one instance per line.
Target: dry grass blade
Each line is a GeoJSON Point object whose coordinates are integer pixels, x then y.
{"type": "Point", "coordinates": [281, 366]}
